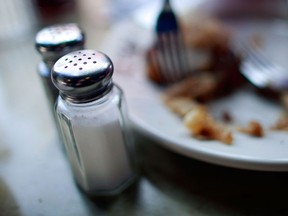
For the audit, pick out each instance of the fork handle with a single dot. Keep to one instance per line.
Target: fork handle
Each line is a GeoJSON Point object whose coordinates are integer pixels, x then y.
{"type": "Point", "coordinates": [167, 5]}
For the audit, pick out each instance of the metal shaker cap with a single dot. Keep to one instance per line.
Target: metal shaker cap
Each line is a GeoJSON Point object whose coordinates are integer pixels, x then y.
{"type": "Point", "coordinates": [57, 40]}
{"type": "Point", "coordinates": [83, 75]}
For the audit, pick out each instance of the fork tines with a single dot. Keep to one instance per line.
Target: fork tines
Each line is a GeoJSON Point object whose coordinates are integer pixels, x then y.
{"type": "Point", "coordinates": [261, 71]}
{"type": "Point", "coordinates": [168, 55]}
{"type": "Point", "coordinates": [171, 50]}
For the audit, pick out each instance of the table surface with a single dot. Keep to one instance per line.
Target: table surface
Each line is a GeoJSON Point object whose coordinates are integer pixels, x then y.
{"type": "Point", "coordinates": [35, 178]}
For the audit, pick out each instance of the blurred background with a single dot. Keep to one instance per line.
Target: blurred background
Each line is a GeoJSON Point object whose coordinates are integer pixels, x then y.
{"type": "Point", "coordinates": [20, 19]}
{"type": "Point", "coordinates": [33, 173]}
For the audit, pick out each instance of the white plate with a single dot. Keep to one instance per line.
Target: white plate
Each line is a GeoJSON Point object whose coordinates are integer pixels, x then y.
{"type": "Point", "coordinates": [151, 116]}
{"type": "Point", "coordinates": [148, 114]}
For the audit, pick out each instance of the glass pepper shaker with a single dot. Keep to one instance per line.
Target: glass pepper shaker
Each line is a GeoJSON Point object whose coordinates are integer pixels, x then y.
{"type": "Point", "coordinates": [53, 42]}
{"type": "Point", "coordinates": [92, 116]}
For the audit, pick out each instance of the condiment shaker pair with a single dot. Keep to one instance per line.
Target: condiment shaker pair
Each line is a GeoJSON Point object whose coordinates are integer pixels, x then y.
{"type": "Point", "coordinates": [92, 116]}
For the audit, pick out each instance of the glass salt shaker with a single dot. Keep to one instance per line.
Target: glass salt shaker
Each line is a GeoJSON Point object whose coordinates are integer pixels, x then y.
{"type": "Point", "coordinates": [53, 42]}
{"type": "Point", "coordinates": [92, 116]}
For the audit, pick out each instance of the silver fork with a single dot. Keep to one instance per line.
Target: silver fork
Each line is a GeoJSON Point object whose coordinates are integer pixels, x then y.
{"type": "Point", "coordinates": [261, 71]}
{"type": "Point", "coordinates": [168, 54]}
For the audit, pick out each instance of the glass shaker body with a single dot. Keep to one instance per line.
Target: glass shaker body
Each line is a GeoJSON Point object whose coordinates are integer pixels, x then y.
{"type": "Point", "coordinates": [51, 91]}
{"type": "Point", "coordinates": [92, 115]}
{"type": "Point", "coordinates": [98, 143]}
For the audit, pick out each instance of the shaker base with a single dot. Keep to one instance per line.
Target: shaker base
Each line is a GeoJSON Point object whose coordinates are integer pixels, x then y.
{"type": "Point", "coordinates": [110, 193]}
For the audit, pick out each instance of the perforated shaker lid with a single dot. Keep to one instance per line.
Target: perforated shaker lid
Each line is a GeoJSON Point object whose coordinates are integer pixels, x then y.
{"type": "Point", "coordinates": [57, 40]}
{"type": "Point", "coordinates": [83, 75]}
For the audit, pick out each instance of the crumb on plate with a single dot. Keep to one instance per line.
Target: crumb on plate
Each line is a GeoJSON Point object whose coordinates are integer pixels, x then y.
{"type": "Point", "coordinates": [203, 126]}
{"type": "Point", "coordinates": [281, 124]}
{"type": "Point", "coordinates": [254, 128]}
